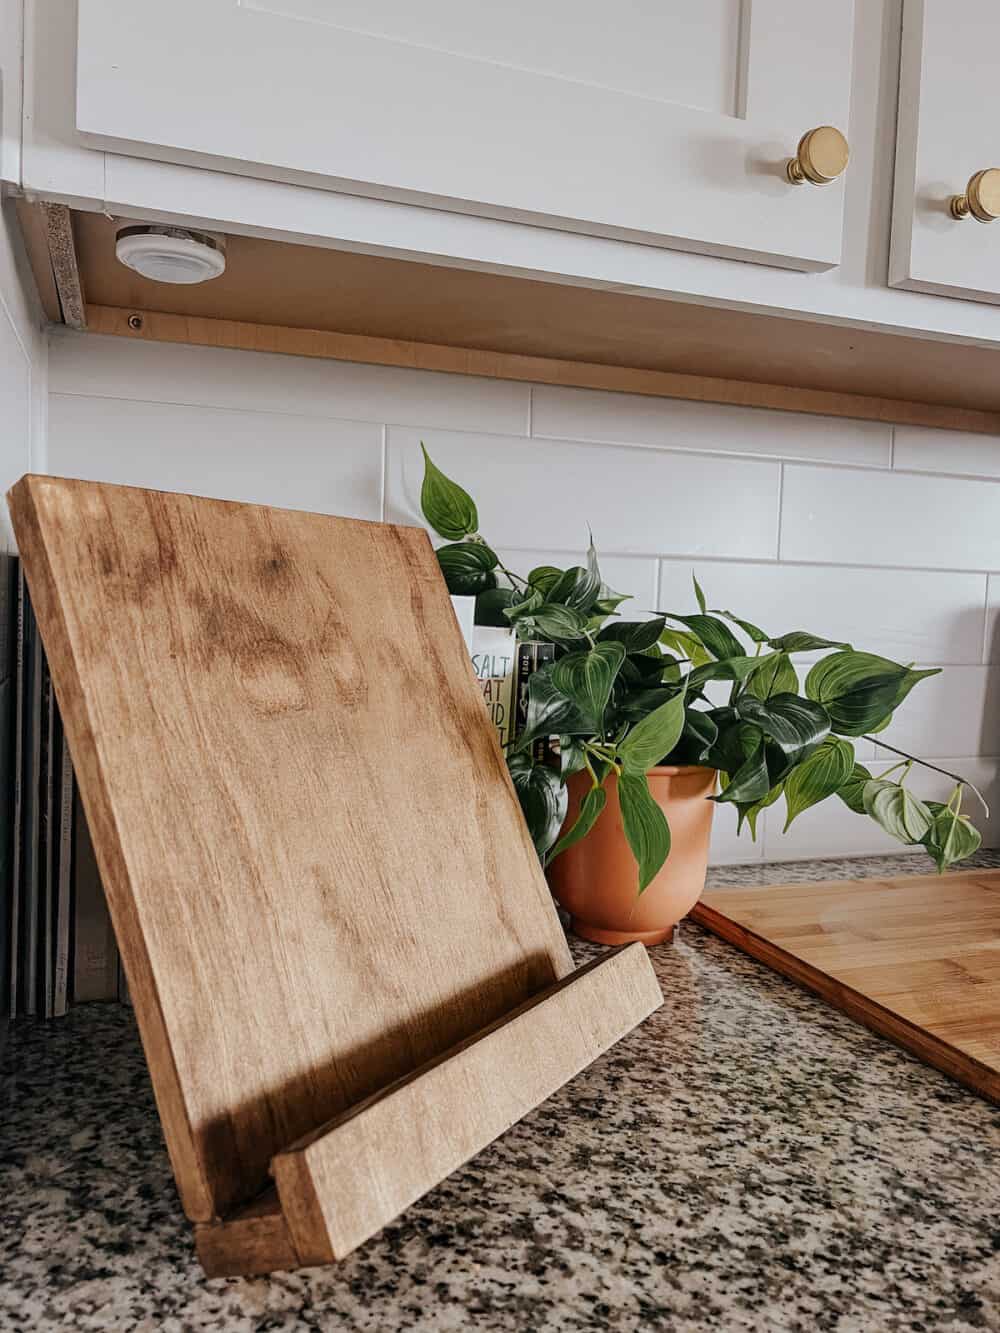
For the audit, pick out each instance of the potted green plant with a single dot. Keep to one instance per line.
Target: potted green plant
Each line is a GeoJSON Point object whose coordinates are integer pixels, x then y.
{"type": "Point", "coordinates": [623, 822]}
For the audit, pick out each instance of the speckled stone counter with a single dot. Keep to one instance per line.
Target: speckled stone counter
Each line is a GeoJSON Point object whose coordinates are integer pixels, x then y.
{"type": "Point", "coordinates": [748, 1159]}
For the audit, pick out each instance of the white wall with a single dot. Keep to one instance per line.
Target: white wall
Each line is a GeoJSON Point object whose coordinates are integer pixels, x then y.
{"type": "Point", "coordinates": [888, 538]}
{"type": "Point", "coordinates": [23, 364]}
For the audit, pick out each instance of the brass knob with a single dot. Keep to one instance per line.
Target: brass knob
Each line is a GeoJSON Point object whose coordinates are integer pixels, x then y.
{"type": "Point", "coordinates": [981, 198]}
{"type": "Point", "coordinates": [820, 157]}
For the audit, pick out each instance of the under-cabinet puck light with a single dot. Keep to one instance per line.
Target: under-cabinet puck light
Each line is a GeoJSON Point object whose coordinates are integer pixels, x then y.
{"type": "Point", "coordinates": [171, 254]}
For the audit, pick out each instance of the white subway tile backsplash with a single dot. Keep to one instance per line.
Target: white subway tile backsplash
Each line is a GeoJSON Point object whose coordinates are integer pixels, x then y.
{"type": "Point", "coordinates": [331, 467]}
{"type": "Point", "coordinates": [839, 515]}
{"type": "Point", "coordinates": [902, 614]}
{"type": "Point", "coordinates": [921, 449]}
{"type": "Point", "coordinates": [621, 418]}
{"type": "Point", "coordinates": [636, 501]}
{"type": "Point", "coordinates": [728, 849]}
{"type": "Point", "coordinates": [268, 382]}
{"type": "Point", "coordinates": [958, 710]}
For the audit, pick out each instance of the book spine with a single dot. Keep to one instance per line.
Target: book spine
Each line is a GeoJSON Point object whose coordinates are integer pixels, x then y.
{"type": "Point", "coordinates": [18, 830]}
{"type": "Point", "coordinates": [32, 815]}
{"type": "Point", "coordinates": [531, 656]}
{"type": "Point", "coordinates": [493, 660]}
{"type": "Point", "coordinates": [95, 953]}
{"type": "Point", "coordinates": [48, 842]}
{"type": "Point", "coordinates": [64, 894]}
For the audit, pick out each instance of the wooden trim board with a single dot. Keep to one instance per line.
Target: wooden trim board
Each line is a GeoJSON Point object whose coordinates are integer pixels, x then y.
{"type": "Point", "coordinates": [155, 326]}
{"type": "Point", "coordinates": [915, 959]}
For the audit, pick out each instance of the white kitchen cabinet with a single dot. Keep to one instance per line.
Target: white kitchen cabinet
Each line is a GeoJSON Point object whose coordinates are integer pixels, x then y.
{"type": "Point", "coordinates": [666, 123]}
{"type": "Point", "coordinates": [948, 130]}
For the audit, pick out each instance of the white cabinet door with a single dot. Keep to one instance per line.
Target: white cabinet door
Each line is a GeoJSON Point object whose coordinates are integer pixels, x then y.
{"type": "Point", "coordinates": [948, 129]}
{"type": "Point", "coordinates": [663, 121]}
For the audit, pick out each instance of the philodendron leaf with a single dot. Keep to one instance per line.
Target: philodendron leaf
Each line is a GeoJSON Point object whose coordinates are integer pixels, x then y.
{"type": "Point", "coordinates": [752, 631]}
{"type": "Point", "coordinates": [652, 739]}
{"type": "Point", "coordinates": [468, 567]}
{"type": "Point", "coordinates": [717, 637]}
{"type": "Point", "coordinates": [794, 726]}
{"type": "Point", "coordinates": [587, 677]}
{"type": "Point", "coordinates": [561, 624]}
{"type": "Point", "coordinates": [800, 641]}
{"type": "Point", "coordinates": [730, 668]}
{"type": "Point", "coordinates": [636, 635]}
{"type": "Point", "coordinates": [775, 675]}
{"type": "Point", "coordinates": [851, 792]}
{"type": "Point", "coordinates": [449, 510]}
{"type": "Point", "coordinates": [543, 800]}
{"type": "Point", "coordinates": [645, 824]}
{"type": "Point", "coordinates": [552, 712]}
{"type": "Point", "coordinates": [699, 596]}
{"type": "Point", "coordinates": [521, 607]}
{"type": "Point", "coordinates": [749, 811]}
{"type": "Point", "coordinates": [902, 815]}
{"type": "Point", "coordinates": [543, 577]}
{"type": "Point", "coordinates": [822, 774]}
{"type": "Point", "coordinates": [951, 836]}
{"type": "Point", "coordinates": [739, 752]}
{"type": "Point", "coordinates": [858, 690]}
{"type": "Point", "coordinates": [686, 645]}
{"type": "Point", "coordinates": [576, 587]}
{"type": "Point", "coordinates": [590, 807]}
{"type": "Point", "coordinates": [490, 607]}
{"type": "Point", "coordinates": [572, 756]}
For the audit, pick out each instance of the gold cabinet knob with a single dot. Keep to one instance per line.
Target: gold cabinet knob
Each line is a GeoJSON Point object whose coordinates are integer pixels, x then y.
{"type": "Point", "coordinates": [981, 199]}
{"type": "Point", "coordinates": [820, 157]}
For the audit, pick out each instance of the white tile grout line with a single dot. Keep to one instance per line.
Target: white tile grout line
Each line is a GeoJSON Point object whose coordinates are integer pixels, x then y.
{"type": "Point", "coordinates": [781, 497]}
{"type": "Point", "coordinates": [384, 471]}
{"type": "Point", "coordinates": [986, 622]}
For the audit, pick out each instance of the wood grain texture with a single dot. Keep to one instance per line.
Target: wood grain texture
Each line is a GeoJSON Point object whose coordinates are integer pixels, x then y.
{"type": "Point", "coordinates": [916, 959]}
{"type": "Point", "coordinates": [58, 222]}
{"type": "Point", "coordinates": [316, 865]}
{"type": "Point", "coordinates": [346, 1180]}
{"type": "Point", "coordinates": [156, 326]}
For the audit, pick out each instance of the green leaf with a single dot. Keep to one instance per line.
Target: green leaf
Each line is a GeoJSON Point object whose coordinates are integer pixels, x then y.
{"type": "Point", "coordinates": [729, 668]}
{"type": "Point", "coordinates": [543, 800]}
{"type": "Point", "coordinates": [902, 815]}
{"type": "Point", "coordinates": [551, 712]}
{"type": "Point", "coordinates": [561, 624]}
{"type": "Point", "coordinates": [652, 739]}
{"type": "Point", "coordinates": [686, 645]}
{"type": "Point", "coordinates": [572, 756]}
{"type": "Point", "coordinates": [699, 595]}
{"type": "Point", "coordinates": [636, 635]}
{"type": "Point", "coordinates": [697, 738]}
{"type": "Point", "coordinates": [776, 675]}
{"type": "Point", "coordinates": [796, 727]}
{"type": "Point", "coordinates": [822, 774]}
{"type": "Point", "coordinates": [749, 811]}
{"type": "Point", "coordinates": [800, 641]}
{"type": "Point", "coordinates": [523, 607]}
{"type": "Point", "coordinates": [576, 587]}
{"type": "Point", "coordinates": [858, 690]}
{"type": "Point", "coordinates": [717, 637]}
{"type": "Point", "coordinates": [490, 607]}
{"type": "Point", "coordinates": [752, 631]}
{"type": "Point", "coordinates": [739, 752]}
{"type": "Point", "coordinates": [468, 568]}
{"type": "Point", "coordinates": [951, 836]}
{"type": "Point", "coordinates": [590, 807]}
{"type": "Point", "coordinates": [543, 577]}
{"type": "Point", "coordinates": [645, 824]}
{"type": "Point", "coordinates": [587, 677]}
{"type": "Point", "coordinates": [851, 792]}
{"type": "Point", "coordinates": [635, 704]}
{"type": "Point", "coordinates": [449, 510]}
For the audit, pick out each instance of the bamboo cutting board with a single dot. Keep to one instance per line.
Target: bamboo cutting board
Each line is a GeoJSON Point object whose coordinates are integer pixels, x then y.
{"type": "Point", "coordinates": [916, 958]}
{"type": "Point", "coordinates": [329, 908]}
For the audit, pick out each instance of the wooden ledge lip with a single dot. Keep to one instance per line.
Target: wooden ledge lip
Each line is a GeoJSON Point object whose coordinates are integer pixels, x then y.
{"type": "Point", "coordinates": [340, 1185]}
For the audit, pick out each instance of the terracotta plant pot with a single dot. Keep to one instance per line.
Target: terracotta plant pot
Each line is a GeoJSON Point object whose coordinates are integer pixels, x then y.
{"type": "Point", "coordinates": [596, 880]}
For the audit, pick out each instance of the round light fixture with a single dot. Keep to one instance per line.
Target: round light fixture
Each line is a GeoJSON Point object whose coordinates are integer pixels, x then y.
{"type": "Point", "coordinates": [170, 254]}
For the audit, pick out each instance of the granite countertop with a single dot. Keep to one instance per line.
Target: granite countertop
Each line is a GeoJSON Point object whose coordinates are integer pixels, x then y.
{"type": "Point", "coordinates": [747, 1160]}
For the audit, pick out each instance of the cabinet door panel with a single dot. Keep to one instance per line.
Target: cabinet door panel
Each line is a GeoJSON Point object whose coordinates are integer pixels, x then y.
{"type": "Point", "coordinates": [666, 123]}
{"type": "Point", "coordinates": [948, 128]}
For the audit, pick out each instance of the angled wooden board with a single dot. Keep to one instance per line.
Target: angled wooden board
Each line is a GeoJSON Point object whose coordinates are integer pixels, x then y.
{"type": "Point", "coordinates": [317, 869]}
{"type": "Point", "coordinates": [915, 958]}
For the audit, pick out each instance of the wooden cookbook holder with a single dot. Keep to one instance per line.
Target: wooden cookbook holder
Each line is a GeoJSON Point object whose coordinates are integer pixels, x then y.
{"type": "Point", "coordinates": [346, 967]}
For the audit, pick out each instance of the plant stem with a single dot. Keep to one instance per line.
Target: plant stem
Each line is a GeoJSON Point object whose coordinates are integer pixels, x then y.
{"type": "Point", "coordinates": [924, 764]}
